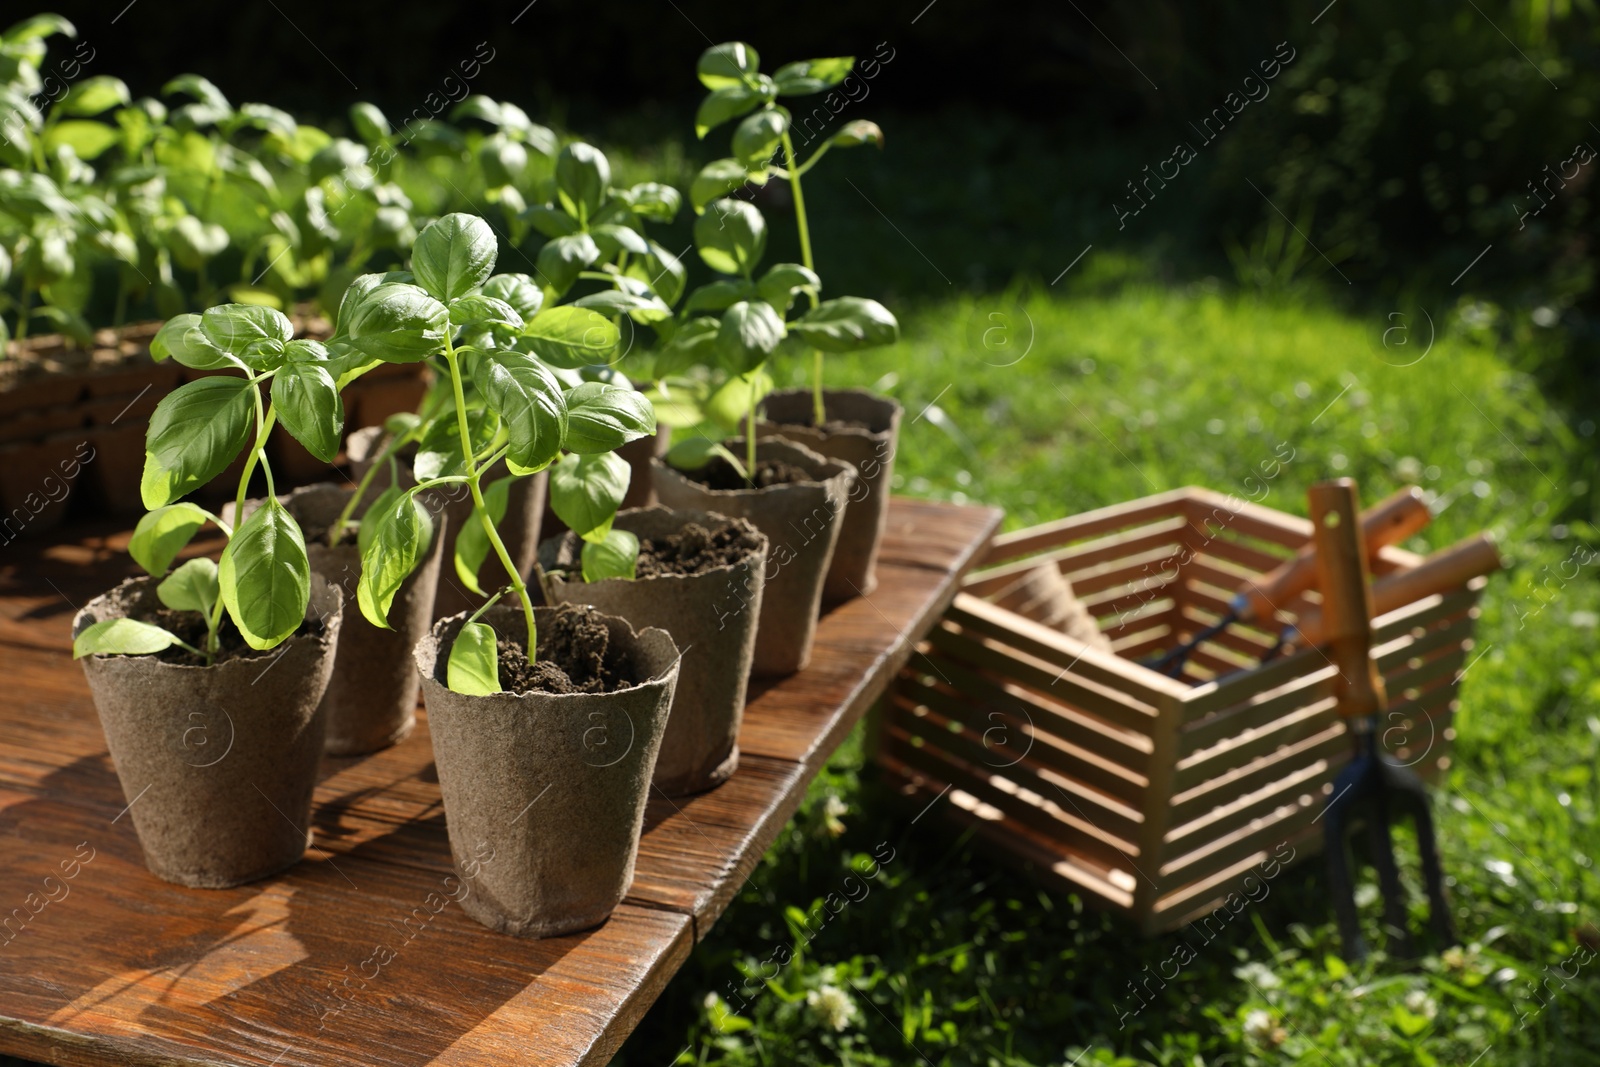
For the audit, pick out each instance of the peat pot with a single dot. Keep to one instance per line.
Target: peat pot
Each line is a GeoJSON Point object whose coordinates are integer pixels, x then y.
{"type": "Point", "coordinates": [711, 617]}
{"type": "Point", "coordinates": [217, 763]}
{"type": "Point", "coordinates": [801, 520]}
{"type": "Point", "coordinates": [544, 793]}
{"type": "Point", "coordinates": [863, 430]}
{"type": "Point", "coordinates": [371, 702]}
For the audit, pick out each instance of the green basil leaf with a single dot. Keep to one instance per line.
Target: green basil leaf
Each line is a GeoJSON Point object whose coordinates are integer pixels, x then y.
{"type": "Point", "coordinates": [585, 492]}
{"type": "Point", "coordinates": [361, 287]}
{"type": "Point", "coordinates": [572, 337]}
{"type": "Point", "coordinates": [552, 222]}
{"type": "Point", "coordinates": [655, 201]}
{"type": "Point", "coordinates": [518, 290]}
{"type": "Point", "coordinates": [582, 174]}
{"type": "Point", "coordinates": [242, 329]}
{"type": "Point", "coordinates": [195, 432]}
{"type": "Point", "coordinates": [847, 324]}
{"type": "Point", "coordinates": [812, 75]}
{"type": "Point", "coordinates": [719, 296]}
{"type": "Point", "coordinates": [502, 160]}
{"type": "Point", "coordinates": [615, 301]}
{"type": "Point", "coordinates": [439, 451]}
{"type": "Point", "coordinates": [476, 309]}
{"type": "Point", "coordinates": [369, 520]}
{"type": "Point", "coordinates": [731, 236]}
{"type": "Point", "coordinates": [613, 556]}
{"type": "Point", "coordinates": [859, 132]}
{"type": "Point", "coordinates": [194, 242]}
{"type": "Point", "coordinates": [369, 123]}
{"type": "Point", "coordinates": [782, 281]}
{"type": "Point", "coordinates": [88, 140]}
{"type": "Point", "coordinates": [454, 255]}
{"type": "Point", "coordinates": [750, 330]}
{"type": "Point", "coordinates": [121, 637]}
{"type": "Point", "coordinates": [398, 323]}
{"type": "Point", "coordinates": [474, 666]}
{"type": "Point", "coordinates": [728, 405]}
{"type": "Point", "coordinates": [562, 258]}
{"type": "Point", "coordinates": [717, 178]}
{"type": "Point", "coordinates": [472, 541]}
{"type": "Point", "coordinates": [192, 587]}
{"type": "Point", "coordinates": [602, 417]}
{"type": "Point", "coordinates": [694, 452]}
{"type": "Point", "coordinates": [529, 401]}
{"type": "Point", "coordinates": [757, 138]}
{"type": "Point", "coordinates": [308, 404]}
{"type": "Point", "coordinates": [38, 27]}
{"type": "Point", "coordinates": [162, 534]}
{"type": "Point", "coordinates": [723, 104]}
{"type": "Point", "coordinates": [181, 338]}
{"type": "Point", "coordinates": [663, 272]}
{"type": "Point", "coordinates": [692, 344]}
{"type": "Point", "coordinates": [727, 64]}
{"type": "Point", "coordinates": [400, 540]}
{"type": "Point", "coordinates": [613, 237]}
{"type": "Point", "coordinates": [265, 579]}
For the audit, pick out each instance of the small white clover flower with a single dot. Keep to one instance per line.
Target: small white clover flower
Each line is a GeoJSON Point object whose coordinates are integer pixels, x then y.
{"type": "Point", "coordinates": [832, 1006]}
{"type": "Point", "coordinates": [833, 810]}
{"type": "Point", "coordinates": [1259, 975]}
{"type": "Point", "coordinates": [1418, 1002]}
{"type": "Point", "coordinates": [710, 1002]}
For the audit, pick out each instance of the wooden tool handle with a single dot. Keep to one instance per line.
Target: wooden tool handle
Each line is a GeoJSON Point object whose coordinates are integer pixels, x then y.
{"type": "Point", "coordinates": [1346, 596]}
{"type": "Point", "coordinates": [1387, 522]}
{"type": "Point", "coordinates": [1447, 569]}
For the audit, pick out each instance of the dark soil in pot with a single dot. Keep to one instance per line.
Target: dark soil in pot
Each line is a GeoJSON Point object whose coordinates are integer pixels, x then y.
{"type": "Point", "coordinates": [862, 429]}
{"type": "Point", "coordinates": [519, 529]}
{"type": "Point", "coordinates": [799, 516]}
{"type": "Point", "coordinates": [217, 763]}
{"type": "Point", "coordinates": [699, 577]}
{"type": "Point", "coordinates": [544, 793]}
{"type": "Point", "coordinates": [371, 701]}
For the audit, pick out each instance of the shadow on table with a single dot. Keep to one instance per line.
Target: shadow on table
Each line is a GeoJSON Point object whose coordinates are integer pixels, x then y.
{"type": "Point", "coordinates": [344, 959]}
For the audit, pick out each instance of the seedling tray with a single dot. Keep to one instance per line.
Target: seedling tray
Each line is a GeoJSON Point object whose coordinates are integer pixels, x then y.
{"type": "Point", "coordinates": [1156, 796]}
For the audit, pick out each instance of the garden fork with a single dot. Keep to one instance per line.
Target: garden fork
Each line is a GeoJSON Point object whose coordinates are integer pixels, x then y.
{"type": "Point", "coordinates": [1372, 789]}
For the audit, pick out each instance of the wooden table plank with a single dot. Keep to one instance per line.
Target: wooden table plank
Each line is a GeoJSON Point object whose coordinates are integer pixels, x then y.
{"type": "Point", "coordinates": [127, 969]}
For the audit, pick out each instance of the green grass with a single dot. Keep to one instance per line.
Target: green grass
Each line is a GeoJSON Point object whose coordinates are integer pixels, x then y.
{"type": "Point", "coordinates": [951, 958]}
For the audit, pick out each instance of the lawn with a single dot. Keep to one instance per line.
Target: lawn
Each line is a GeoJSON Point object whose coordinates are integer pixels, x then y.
{"type": "Point", "coordinates": [1054, 402]}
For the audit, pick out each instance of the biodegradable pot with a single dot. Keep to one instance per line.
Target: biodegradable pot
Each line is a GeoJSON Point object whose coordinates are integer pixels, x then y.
{"type": "Point", "coordinates": [544, 793]}
{"type": "Point", "coordinates": [217, 763]}
{"type": "Point", "coordinates": [711, 617]}
{"type": "Point", "coordinates": [801, 521]}
{"type": "Point", "coordinates": [371, 702]}
{"type": "Point", "coordinates": [519, 529]}
{"type": "Point", "coordinates": [870, 448]}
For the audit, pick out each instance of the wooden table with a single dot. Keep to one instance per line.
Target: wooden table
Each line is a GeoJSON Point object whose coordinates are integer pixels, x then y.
{"type": "Point", "coordinates": [114, 966]}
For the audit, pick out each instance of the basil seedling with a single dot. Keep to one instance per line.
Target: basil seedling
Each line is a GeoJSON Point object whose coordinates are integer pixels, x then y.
{"type": "Point", "coordinates": [510, 393]}
{"type": "Point", "coordinates": [762, 149]}
{"type": "Point", "coordinates": [263, 579]}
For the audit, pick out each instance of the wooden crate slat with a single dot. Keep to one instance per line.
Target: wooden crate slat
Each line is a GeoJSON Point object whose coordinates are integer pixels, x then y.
{"type": "Point", "coordinates": [1070, 870]}
{"type": "Point", "coordinates": [1263, 711]}
{"type": "Point", "coordinates": [1088, 524]}
{"type": "Point", "coordinates": [1039, 640]}
{"type": "Point", "coordinates": [1053, 815]}
{"type": "Point", "coordinates": [1247, 840]}
{"type": "Point", "coordinates": [1050, 748]}
{"type": "Point", "coordinates": [1103, 810]}
{"type": "Point", "coordinates": [1240, 750]}
{"type": "Point", "coordinates": [1194, 802]}
{"type": "Point", "coordinates": [1121, 710]}
{"type": "Point", "coordinates": [1126, 748]}
{"type": "Point", "coordinates": [1104, 550]}
{"type": "Point", "coordinates": [1148, 570]}
{"type": "Point", "coordinates": [1297, 777]}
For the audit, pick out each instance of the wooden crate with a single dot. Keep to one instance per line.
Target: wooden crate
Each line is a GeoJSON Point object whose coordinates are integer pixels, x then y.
{"type": "Point", "coordinates": [1154, 795]}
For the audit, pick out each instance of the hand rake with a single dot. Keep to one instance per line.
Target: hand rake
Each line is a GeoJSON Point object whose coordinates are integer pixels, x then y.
{"type": "Point", "coordinates": [1372, 789]}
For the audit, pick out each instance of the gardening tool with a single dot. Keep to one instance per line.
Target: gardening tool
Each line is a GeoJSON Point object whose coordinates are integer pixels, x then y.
{"type": "Point", "coordinates": [1389, 522]}
{"type": "Point", "coordinates": [1439, 573]}
{"type": "Point", "coordinates": [1372, 789]}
